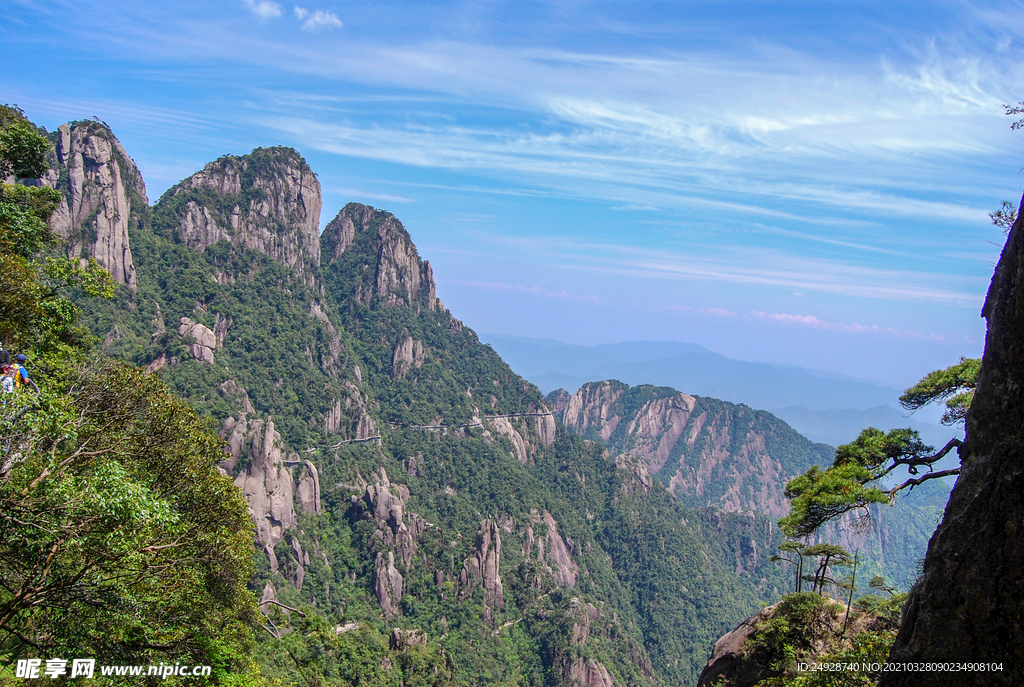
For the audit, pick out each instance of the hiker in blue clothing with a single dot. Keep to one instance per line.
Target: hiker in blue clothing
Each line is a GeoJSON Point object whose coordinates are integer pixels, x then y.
{"type": "Point", "coordinates": [21, 377]}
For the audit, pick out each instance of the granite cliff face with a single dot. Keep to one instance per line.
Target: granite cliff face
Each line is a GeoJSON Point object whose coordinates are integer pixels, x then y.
{"type": "Point", "coordinates": [706, 452]}
{"type": "Point", "coordinates": [969, 603]}
{"type": "Point", "coordinates": [104, 195]}
{"type": "Point", "coordinates": [392, 272]}
{"type": "Point", "coordinates": [267, 201]}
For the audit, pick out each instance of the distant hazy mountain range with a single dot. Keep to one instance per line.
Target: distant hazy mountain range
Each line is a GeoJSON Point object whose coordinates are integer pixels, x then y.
{"type": "Point", "coordinates": [823, 406]}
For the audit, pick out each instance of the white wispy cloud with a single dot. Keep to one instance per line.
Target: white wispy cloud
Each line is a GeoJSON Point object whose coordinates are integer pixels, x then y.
{"type": "Point", "coordinates": [264, 9]}
{"type": "Point", "coordinates": [529, 290]}
{"type": "Point", "coordinates": [732, 264]}
{"type": "Point", "coordinates": [356, 193]}
{"type": "Point", "coordinates": [316, 19]}
{"type": "Point", "coordinates": [846, 327]}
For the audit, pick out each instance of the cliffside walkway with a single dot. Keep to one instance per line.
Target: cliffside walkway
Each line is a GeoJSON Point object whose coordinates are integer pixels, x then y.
{"type": "Point", "coordinates": [477, 423]}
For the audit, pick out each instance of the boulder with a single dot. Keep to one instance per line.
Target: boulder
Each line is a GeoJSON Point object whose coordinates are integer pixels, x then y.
{"type": "Point", "coordinates": [204, 339]}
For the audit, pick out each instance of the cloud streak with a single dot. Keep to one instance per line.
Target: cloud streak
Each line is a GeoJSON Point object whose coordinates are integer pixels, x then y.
{"type": "Point", "coordinates": [846, 327]}
{"type": "Point", "coordinates": [740, 265]}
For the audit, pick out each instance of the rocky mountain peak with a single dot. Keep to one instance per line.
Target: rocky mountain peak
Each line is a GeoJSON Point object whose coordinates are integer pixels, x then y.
{"type": "Point", "coordinates": [268, 201]}
{"type": "Point", "coordinates": [382, 260]}
{"type": "Point", "coordinates": [103, 195]}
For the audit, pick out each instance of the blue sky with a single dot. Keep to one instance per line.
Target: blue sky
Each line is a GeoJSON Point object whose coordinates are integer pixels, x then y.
{"type": "Point", "coordinates": [794, 182]}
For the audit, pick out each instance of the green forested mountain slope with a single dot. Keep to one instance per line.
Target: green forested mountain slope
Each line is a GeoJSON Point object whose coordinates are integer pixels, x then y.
{"type": "Point", "coordinates": [400, 475]}
{"type": "Point", "coordinates": [719, 455]}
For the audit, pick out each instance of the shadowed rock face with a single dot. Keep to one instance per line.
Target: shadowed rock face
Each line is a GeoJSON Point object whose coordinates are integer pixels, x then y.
{"type": "Point", "coordinates": [730, 663]}
{"type": "Point", "coordinates": [102, 188]}
{"type": "Point", "coordinates": [969, 604]}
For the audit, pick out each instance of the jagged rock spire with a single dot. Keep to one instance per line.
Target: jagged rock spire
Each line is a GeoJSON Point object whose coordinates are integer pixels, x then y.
{"type": "Point", "coordinates": [103, 194]}
{"type": "Point", "coordinates": [392, 272]}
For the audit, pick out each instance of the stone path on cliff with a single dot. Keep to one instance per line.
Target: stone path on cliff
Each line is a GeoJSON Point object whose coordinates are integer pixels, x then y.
{"type": "Point", "coordinates": [477, 423]}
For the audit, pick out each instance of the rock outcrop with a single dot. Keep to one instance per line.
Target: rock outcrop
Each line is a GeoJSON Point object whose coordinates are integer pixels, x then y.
{"type": "Point", "coordinates": [483, 567]}
{"type": "Point", "coordinates": [589, 628]}
{"type": "Point", "coordinates": [706, 452]}
{"type": "Point", "coordinates": [387, 268]}
{"type": "Point", "coordinates": [267, 201]}
{"type": "Point", "coordinates": [504, 426]}
{"type": "Point", "coordinates": [397, 531]}
{"type": "Point", "coordinates": [551, 550]}
{"type": "Point", "coordinates": [309, 490]}
{"type": "Point", "coordinates": [266, 482]}
{"type": "Point", "coordinates": [350, 417]}
{"type": "Point", "coordinates": [587, 672]}
{"type": "Point", "coordinates": [591, 406]}
{"type": "Point", "coordinates": [408, 355]}
{"type": "Point", "coordinates": [402, 640]}
{"type": "Point", "coordinates": [331, 358]}
{"type": "Point", "coordinates": [103, 196]}
{"type": "Point", "coordinates": [969, 603]}
{"type": "Point", "coordinates": [387, 583]}
{"type": "Point", "coordinates": [204, 340]}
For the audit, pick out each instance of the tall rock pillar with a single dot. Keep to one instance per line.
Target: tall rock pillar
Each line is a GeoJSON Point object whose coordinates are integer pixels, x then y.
{"type": "Point", "coordinates": [102, 190]}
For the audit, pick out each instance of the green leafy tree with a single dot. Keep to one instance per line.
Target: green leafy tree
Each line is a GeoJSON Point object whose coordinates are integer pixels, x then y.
{"type": "Point", "coordinates": [829, 556]}
{"type": "Point", "coordinates": [795, 550]}
{"type": "Point", "coordinates": [22, 150]}
{"type": "Point", "coordinates": [852, 483]}
{"type": "Point", "coordinates": [878, 582]}
{"type": "Point", "coordinates": [117, 533]}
